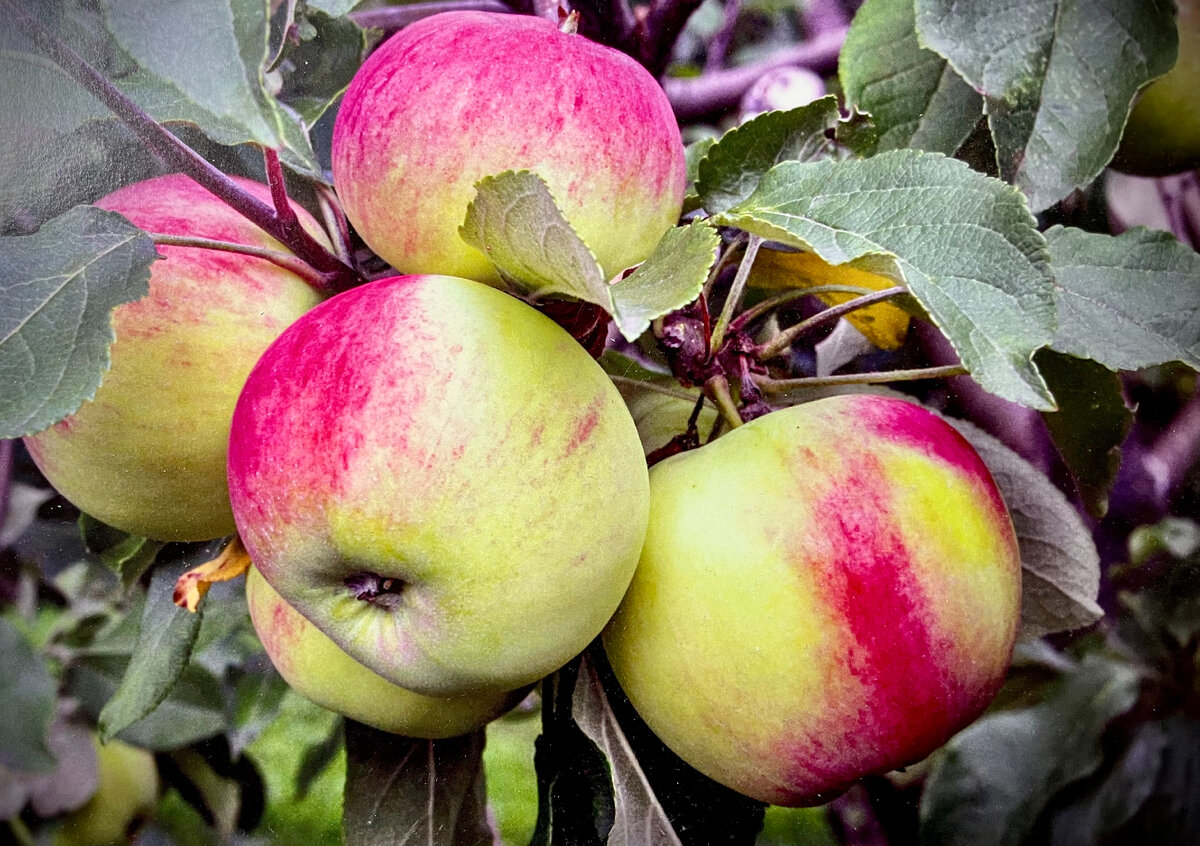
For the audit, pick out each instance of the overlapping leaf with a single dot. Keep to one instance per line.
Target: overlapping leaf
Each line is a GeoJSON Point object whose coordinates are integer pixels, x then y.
{"type": "Point", "coordinates": [56, 294]}
{"type": "Point", "coordinates": [1058, 77]}
{"type": "Point", "coordinates": [913, 95]}
{"type": "Point", "coordinates": [964, 244]}
{"type": "Point", "coordinates": [515, 221]}
{"type": "Point", "coordinates": [1129, 301]}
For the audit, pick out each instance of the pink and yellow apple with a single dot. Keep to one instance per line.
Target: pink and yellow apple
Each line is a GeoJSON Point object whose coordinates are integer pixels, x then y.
{"type": "Point", "coordinates": [320, 671]}
{"type": "Point", "coordinates": [829, 591]}
{"type": "Point", "coordinates": [462, 95]}
{"type": "Point", "coordinates": [442, 480]}
{"type": "Point", "coordinates": [1163, 132]}
{"type": "Point", "coordinates": [147, 453]}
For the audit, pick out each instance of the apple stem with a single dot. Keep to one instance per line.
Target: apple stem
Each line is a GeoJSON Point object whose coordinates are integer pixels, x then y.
{"type": "Point", "coordinates": [336, 224]}
{"type": "Point", "coordinates": [751, 314]}
{"type": "Point", "coordinates": [279, 195]}
{"type": "Point", "coordinates": [779, 386]}
{"type": "Point", "coordinates": [781, 342]}
{"type": "Point", "coordinates": [303, 269]}
{"type": "Point", "coordinates": [735, 294]}
{"type": "Point", "coordinates": [717, 390]}
{"type": "Point", "coordinates": [181, 157]}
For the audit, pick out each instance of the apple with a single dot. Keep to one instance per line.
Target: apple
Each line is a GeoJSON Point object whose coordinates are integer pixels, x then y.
{"type": "Point", "coordinates": [321, 672]}
{"type": "Point", "coordinates": [829, 591]}
{"type": "Point", "coordinates": [147, 453]}
{"type": "Point", "coordinates": [126, 794]}
{"type": "Point", "coordinates": [459, 96]}
{"type": "Point", "coordinates": [442, 480]}
{"type": "Point", "coordinates": [1162, 135]}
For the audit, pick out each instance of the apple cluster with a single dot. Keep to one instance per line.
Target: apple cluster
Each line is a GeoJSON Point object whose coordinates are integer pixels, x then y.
{"type": "Point", "coordinates": [445, 498]}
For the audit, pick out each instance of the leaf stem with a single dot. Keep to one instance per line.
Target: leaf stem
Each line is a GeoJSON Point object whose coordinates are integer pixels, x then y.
{"type": "Point", "coordinates": [717, 390]}
{"type": "Point", "coordinates": [656, 387]}
{"type": "Point", "coordinates": [779, 386]}
{"type": "Point", "coordinates": [735, 294]}
{"type": "Point", "coordinates": [788, 336]}
{"type": "Point", "coordinates": [181, 157]}
{"type": "Point", "coordinates": [751, 314]}
{"type": "Point", "coordinates": [279, 196]}
{"type": "Point", "coordinates": [336, 224]}
{"type": "Point", "coordinates": [301, 268]}
{"type": "Point", "coordinates": [722, 262]}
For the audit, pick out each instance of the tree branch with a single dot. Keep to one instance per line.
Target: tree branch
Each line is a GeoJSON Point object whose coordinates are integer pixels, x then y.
{"type": "Point", "coordinates": [179, 156]}
{"type": "Point", "coordinates": [883, 377]}
{"type": "Point", "coordinates": [787, 337]}
{"type": "Point", "coordinates": [656, 33]}
{"type": "Point", "coordinates": [285, 260]}
{"type": "Point", "coordinates": [722, 90]}
{"type": "Point", "coordinates": [392, 19]}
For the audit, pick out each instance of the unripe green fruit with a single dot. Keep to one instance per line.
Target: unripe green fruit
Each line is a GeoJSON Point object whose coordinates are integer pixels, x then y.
{"type": "Point", "coordinates": [829, 591]}
{"type": "Point", "coordinates": [1163, 132]}
{"type": "Point", "coordinates": [147, 453]}
{"type": "Point", "coordinates": [126, 792]}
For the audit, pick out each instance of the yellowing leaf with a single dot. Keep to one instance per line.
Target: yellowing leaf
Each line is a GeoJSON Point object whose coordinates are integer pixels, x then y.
{"type": "Point", "coordinates": [884, 324]}
{"type": "Point", "coordinates": [194, 584]}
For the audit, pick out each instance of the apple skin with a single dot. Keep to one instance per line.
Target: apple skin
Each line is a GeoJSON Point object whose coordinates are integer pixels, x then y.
{"type": "Point", "coordinates": [316, 668]}
{"type": "Point", "coordinates": [829, 591]}
{"type": "Point", "coordinates": [459, 96]}
{"type": "Point", "coordinates": [1163, 132]}
{"type": "Point", "coordinates": [127, 791]}
{"type": "Point", "coordinates": [147, 453]}
{"type": "Point", "coordinates": [444, 435]}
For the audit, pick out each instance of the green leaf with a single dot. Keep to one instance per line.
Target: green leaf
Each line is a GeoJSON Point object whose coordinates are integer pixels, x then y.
{"type": "Point", "coordinates": [1090, 425]}
{"type": "Point", "coordinates": [333, 8]}
{"type": "Point", "coordinates": [163, 650]}
{"type": "Point", "coordinates": [1060, 567]}
{"type": "Point", "coordinates": [511, 778]}
{"type": "Point", "coordinates": [405, 790]}
{"type": "Point", "coordinates": [670, 278]}
{"type": "Point", "coordinates": [516, 223]}
{"type": "Point", "coordinates": [1129, 301]}
{"type": "Point", "coordinates": [28, 691]}
{"type": "Point", "coordinates": [964, 244]}
{"type": "Point", "coordinates": [638, 818]}
{"type": "Point", "coordinates": [994, 778]}
{"type": "Point", "coordinates": [56, 294]}
{"type": "Point", "coordinates": [913, 95]}
{"type": "Point", "coordinates": [1058, 77]}
{"type": "Point", "coordinates": [733, 167]}
{"type": "Point", "coordinates": [317, 70]}
{"type": "Point", "coordinates": [129, 556]}
{"type": "Point", "coordinates": [693, 154]}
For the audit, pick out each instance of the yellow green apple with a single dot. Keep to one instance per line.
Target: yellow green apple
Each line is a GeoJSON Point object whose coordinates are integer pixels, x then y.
{"type": "Point", "coordinates": [442, 480]}
{"type": "Point", "coordinates": [828, 591]}
{"type": "Point", "coordinates": [126, 793]}
{"type": "Point", "coordinates": [461, 95]}
{"type": "Point", "coordinates": [147, 453]}
{"type": "Point", "coordinates": [1163, 132]}
{"type": "Point", "coordinates": [316, 668]}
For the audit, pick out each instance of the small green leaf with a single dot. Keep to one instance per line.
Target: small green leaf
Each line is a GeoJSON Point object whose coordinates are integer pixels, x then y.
{"type": "Point", "coordinates": [27, 690]}
{"type": "Point", "coordinates": [1090, 425]}
{"type": "Point", "coordinates": [994, 778]}
{"type": "Point", "coordinates": [733, 167]}
{"type": "Point", "coordinates": [516, 223]}
{"type": "Point", "coordinates": [56, 294]}
{"type": "Point", "coordinates": [1058, 78]}
{"type": "Point", "coordinates": [1129, 301]}
{"type": "Point", "coordinates": [163, 650]}
{"type": "Point", "coordinates": [405, 790]}
{"type": "Point", "coordinates": [669, 279]}
{"type": "Point", "coordinates": [317, 70]}
{"type": "Point", "coordinates": [913, 95]}
{"type": "Point", "coordinates": [1060, 567]}
{"type": "Point", "coordinates": [638, 818]}
{"type": "Point", "coordinates": [964, 244]}
{"type": "Point", "coordinates": [129, 556]}
{"type": "Point", "coordinates": [693, 154]}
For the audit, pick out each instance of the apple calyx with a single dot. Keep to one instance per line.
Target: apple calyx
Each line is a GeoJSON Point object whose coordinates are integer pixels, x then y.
{"type": "Point", "coordinates": [384, 591]}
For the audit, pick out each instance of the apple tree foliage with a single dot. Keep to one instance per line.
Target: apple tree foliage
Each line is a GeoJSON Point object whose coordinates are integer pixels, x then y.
{"type": "Point", "coordinates": [990, 266]}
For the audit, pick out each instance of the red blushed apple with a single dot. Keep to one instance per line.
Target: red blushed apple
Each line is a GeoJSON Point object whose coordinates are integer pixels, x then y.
{"type": "Point", "coordinates": [462, 95]}
{"type": "Point", "coordinates": [442, 480]}
{"type": "Point", "coordinates": [829, 591]}
{"type": "Point", "coordinates": [147, 453]}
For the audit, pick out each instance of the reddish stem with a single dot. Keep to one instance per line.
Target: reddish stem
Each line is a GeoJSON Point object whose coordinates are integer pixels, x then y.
{"type": "Point", "coordinates": [279, 196]}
